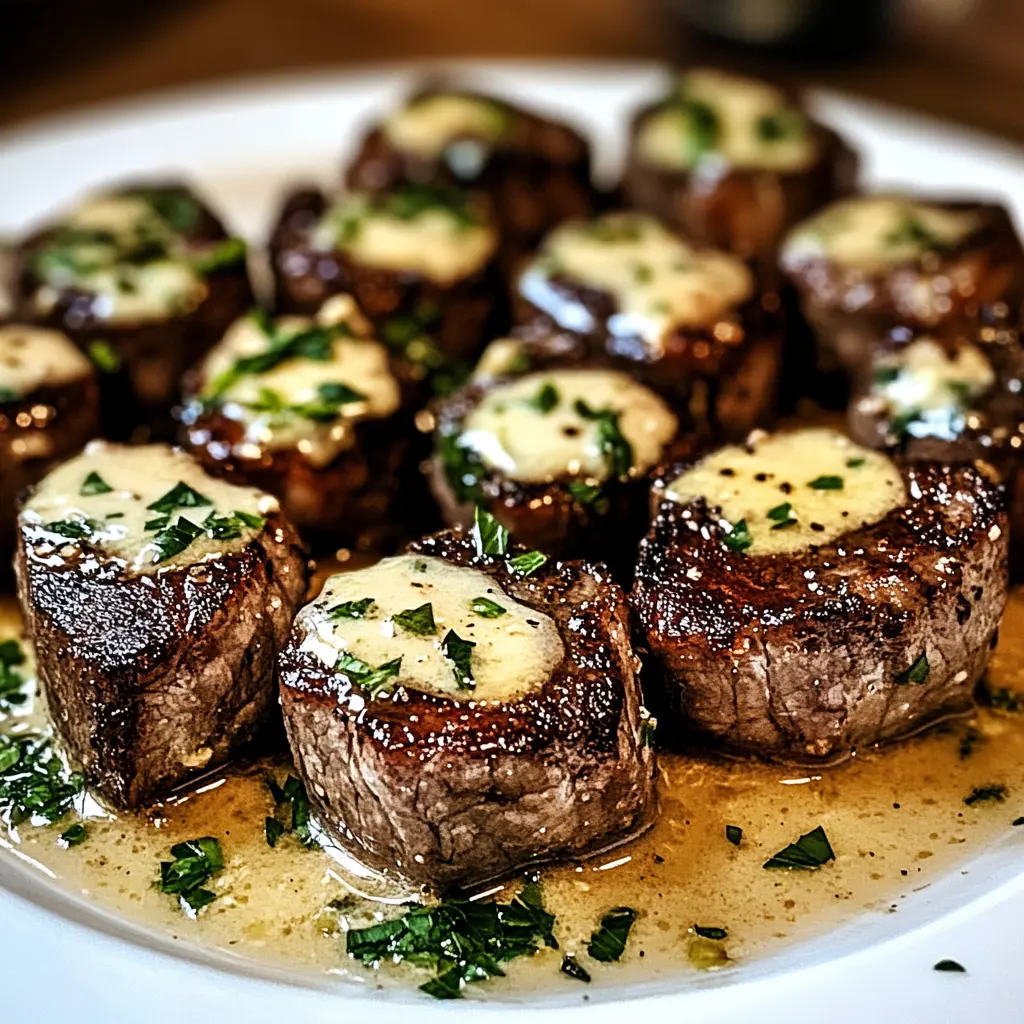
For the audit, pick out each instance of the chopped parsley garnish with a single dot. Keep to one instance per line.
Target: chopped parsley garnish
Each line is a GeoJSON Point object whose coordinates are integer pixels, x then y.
{"type": "Point", "coordinates": [545, 400]}
{"type": "Point", "coordinates": [173, 539]}
{"type": "Point", "coordinates": [985, 794]}
{"type": "Point", "coordinates": [855, 463]}
{"type": "Point", "coordinates": [999, 698]}
{"type": "Point", "coordinates": [700, 124]}
{"type": "Point", "coordinates": [912, 232]}
{"type": "Point", "coordinates": [608, 943]}
{"type": "Point", "coordinates": [462, 942]}
{"type": "Point", "coordinates": [527, 563]}
{"type": "Point", "coordinates": [104, 357]}
{"type": "Point", "coordinates": [710, 933]}
{"type": "Point", "coordinates": [225, 255]}
{"type": "Point", "coordinates": [613, 444]}
{"type": "Point", "coordinates": [826, 483]}
{"type": "Point", "coordinates": [781, 125]}
{"type": "Point", "coordinates": [12, 682]}
{"type": "Point", "coordinates": [782, 516]}
{"type": "Point", "coordinates": [809, 851]}
{"type": "Point", "coordinates": [486, 608]}
{"type": "Point", "coordinates": [462, 467]}
{"type": "Point", "coordinates": [291, 811]}
{"type": "Point", "coordinates": [73, 529]}
{"type": "Point", "coordinates": [419, 621]}
{"type": "Point", "coordinates": [734, 834]}
{"type": "Point", "coordinates": [34, 782]}
{"type": "Point", "coordinates": [195, 862]}
{"type": "Point", "coordinates": [738, 538]}
{"type": "Point", "coordinates": [409, 202]}
{"type": "Point", "coordinates": [917, 673]}
{"type": "Point", "coordinates": [460, 653]}
{"type": "Point", "coordinates": [588, 494]}
{"type": "Point", "coordinates": [572, 967]}
{"type": "Point", "coordinates": [74, 836]}
{"type": "Point", "coordinates": [365, 676]}
{"type": "Point", "coordinates": [94, 484]}
{"type": "Point", "coordinates": [179, 496]}
{"type": "Point", "coordinates": [8, 395]}
{"type": "Point", "coordinates": [950, 965]}
{"type": "Point", "coordinates": [351, 609]}
{"type": "Point", "coordinates": [174, 206]}
{"type": "Point", "coordinates": [330, 399]}
{"type": "Point", "coordinates": [489, 536]}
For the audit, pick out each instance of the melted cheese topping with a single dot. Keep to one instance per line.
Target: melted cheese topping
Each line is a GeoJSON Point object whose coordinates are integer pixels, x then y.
{"type": "Point", "coordinates": [117, 519]}
{"type": "Point", "coordinates": [502, 356]}
{"type": "Point", "coordinates": [874, 232]}
{"type": "Point", "coordinates": [34, 357]}
{"type": "Point", "coordinates": [513, 431]}
{"type": "Point", "coordinates": [125, 288]}
{"type": "Point", "coordinates": [428, 125]}
{"type": "Point", "coordinates": [515, 652]}
{"type": "Point", "coordinates": [923, 376]}
{"type": "Point", "coordinates": [657, 281]}
{"type": "Point", "coordinates": [270, 404]}
{"type": "Point", "coordinates": [436, 242]}
{"type": "Point", "coordinates": [752, 484]}
{"type": "Point", "coordinates": [752, 126]}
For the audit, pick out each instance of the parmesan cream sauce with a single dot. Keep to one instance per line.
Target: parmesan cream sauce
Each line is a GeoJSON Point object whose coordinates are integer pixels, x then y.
{"type": "Point", "coordinates": [896, 819]}
{"type": "Point", "coordinates": [426, 125]}
{"type": "Point", "coordinates": [34, 357]}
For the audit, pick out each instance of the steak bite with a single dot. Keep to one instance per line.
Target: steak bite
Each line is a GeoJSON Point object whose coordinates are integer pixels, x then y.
{"type": "Point", "coordinates": [690, 323]}
{"type": "Point", "coordinates": [454, 720]}
{"type": "Point", "coordinates": [868, 264]}
{"type": "Point", "coordinates": [312, 410]}
{"type": "Point", "coordinates": [560, 458]}
{"type": "Point", "coordinates": [535, 170]}
{"type": "Point", "coordinates": [733, 162]}
{"type": "Point", "coordinates": [417, 260]}
{"type": "Point", "coordinates": [157, 599]}
{"type": "Point", "coordinates": [143, 278]}
{"type": "Point", "coordinates": [49, 408]}
{"type": "Point", "coordinates": [802, 597]}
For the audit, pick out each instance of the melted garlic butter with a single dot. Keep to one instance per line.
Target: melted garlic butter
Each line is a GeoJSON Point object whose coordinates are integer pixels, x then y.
{"type": "Point", "coordinates": [124, 290]}
{"type": "Point", "coordinates": [656, 280]}
{"type": "Point", "coordinates": [874, 232]}
{"type": "Point", "coordinates": [510, 430]}
{"type": "Point", "coordinates": [33, 357]}
{"type": "Point", "coordinates": [515, 652]}
{"type": "Point", "coordinates": [756, 127]}
{"type": "Point", "coordinates": [924, 376]}
{"type": "Point", "coordinates": [774, 470]}
{"type": "Point", "coordinates": [896, 819]}
{"type": "Point", "coordinates": [357, 361]}
{"type": "Point", "coordinates": [137, 476]}
{"type": "Point", "coordinates": [436, 242]}
{"type": "Point", "coordinates": [428, 124]}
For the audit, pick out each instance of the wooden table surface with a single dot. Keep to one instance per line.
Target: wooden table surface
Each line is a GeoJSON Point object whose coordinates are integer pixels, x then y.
{"type": "Point", "coordinates": [959, 59]}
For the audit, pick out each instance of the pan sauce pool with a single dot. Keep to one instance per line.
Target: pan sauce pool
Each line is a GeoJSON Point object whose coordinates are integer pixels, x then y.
{"type": "Point", "coordinates": [896, 819]}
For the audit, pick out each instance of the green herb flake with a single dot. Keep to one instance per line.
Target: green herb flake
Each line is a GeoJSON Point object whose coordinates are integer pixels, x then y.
{"type": "Point", "coordinates": [545, 400]}
{"type": "Point", "coordinates": [951, 966]}
{"type": "Point", "coordinates": [527, 563]}
{"type": "Point", "coordinates": [808, 852]}
{"type": "Point", "coordinates": [8, 395]}
{"type": "Point", "coordinates": [917, 673]}
{"type": "Point", "coordinates": [855, 463]}
{"type": "Point", "coordinates": [782, 516]}
{"type": "Point", "coordinates": [94, 484]}
{"type": "Point", "coordinates": [226, 255]}
{"type": "Point", "coordinates": [986, 794]}
{"type": "Point", "coordinates": [273, 829]}
{"type": "Point", "coordinates": [359, 673]}
{"type": "Point", "coordinates": [587, 494]}
{"type": "Point", "coordinates": [103, 356]}
{"type": "Point", "coordinates": [1000, 698]}
{"type": "Point", "coordinates": [74, 836]}
{"type": "Point", "coordinates": [574, 969]}
{"type": "Point", "coordinates": [73, 529]}
{"type": "Point", "coordinates": [173, 539]}
{"type": "Point", "coordinates": [195, 862]}
{"type": "Point", "coordinates": [701, 126]}
{"type": "Point", "coordinates": [462, 467]}
{"type": "Point", "coordinates": [826, 483]}
{"type": "Point", "coordinates": [179, 496]}
{"type": "Point", "coordinates": [489, 536]}
{"type": "Point", "coordinates": [710, 933]}
{"type": "Point", "coordinates": [351, 609]}
{"type": "Point", "coordinates": [460, 653]}
{"type": "Point", "coordinates": [419, 621]}
{"type": "Point", "coordinates": [291, 811]}
{"type": "Point", "coordinates": [486, 608]}
{"type": "Point", "coordinates": [738, 538]}
{"type": "Point", "coordinates": [608, 943]}
{"type": "Point", "coordinates": [734, 834]}
{"type": "Point", "coordinates": [613, 444]}
{"type": "Point", "coordinates": [12, 681]}
{"type": "Point", "coordinates": [35, 784]}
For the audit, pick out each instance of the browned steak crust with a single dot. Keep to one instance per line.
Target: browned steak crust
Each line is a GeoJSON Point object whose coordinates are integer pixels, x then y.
{"type": "Point", "coordinates": [451, 792]}
{"type": "Point", "coordinates": [151, 680]}
{"type": "Point", "coordinates": [805, 656]}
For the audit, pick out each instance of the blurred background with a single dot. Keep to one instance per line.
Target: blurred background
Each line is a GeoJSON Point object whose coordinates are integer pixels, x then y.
{"type": "Point", "coordinates": [959, 59]}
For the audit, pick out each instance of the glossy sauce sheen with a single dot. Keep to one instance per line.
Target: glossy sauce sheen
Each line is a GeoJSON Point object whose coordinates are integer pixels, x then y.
{"type": "Point", "coordinates": [896, 819]}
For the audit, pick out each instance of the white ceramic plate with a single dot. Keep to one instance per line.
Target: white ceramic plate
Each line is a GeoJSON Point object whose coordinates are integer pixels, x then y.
{"type": "Point", "coordinates": [63, 959]}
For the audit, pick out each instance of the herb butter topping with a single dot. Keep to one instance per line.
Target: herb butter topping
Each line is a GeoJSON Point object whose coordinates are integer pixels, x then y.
{"type": "Point", "coordinates": [301, 382]}
{"type": "Point", "coordinates": [926, 390]}
{"type": "Point", "coordinates": [875, 232]}
{"type": "Point", "coordinates": [584, 424]}
{"type": "Point", "coordinates": [428, 625]}
{"type": "Point", "coordinates": [34, 357]}
{"type": "Point", "coordinates": [151, 506]}
{"type": "Point", "coordinates": [657, 281]}
{"type": "Point", "coordinates": [427, 125]}
{"type": "Point", "coordinates": [131, 253]}
{"type": "Point", "coordinates": [784, 492]}
{"type": "Point", "coordinates": [442, 234]}
{"type": "Point", "coordinates": [737, 121]}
